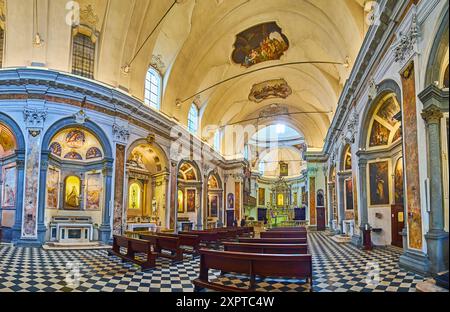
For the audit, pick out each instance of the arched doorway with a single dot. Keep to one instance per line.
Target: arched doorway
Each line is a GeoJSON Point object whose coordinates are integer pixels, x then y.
{"type": "Point", "coordinates": [214, 209]}
{"type": "Point", "coordinates": [147, 178]}
{"type": "Point", "coordinates": [12, 148]}
{"type": "Point", "coordinates": [189, 196]}
{"type": "Point", "coordinates": [380, 150]}
{"type": "Point", "coordinates": [77, 176]}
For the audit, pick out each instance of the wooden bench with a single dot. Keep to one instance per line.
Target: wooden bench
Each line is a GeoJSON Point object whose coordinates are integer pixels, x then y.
{"type": "Point", "coordinates": [301, 249]}
{"type": "Point", "coordinates": [170, 244]}
{"type": "Point", "coordinates": [261, 265]}
{"type": "Point", "coordinates": [207, 238]}
{"type": "Point", "coordinates": [273, 240]}
{"type": "Point", "coordinates": [288, 229]}
{"type": "Point", "coordinates": [134, 246]}
{"type": "Point", "coordinates": [191, 241]}
{"type": "Point", "coordinates": [284, 235]}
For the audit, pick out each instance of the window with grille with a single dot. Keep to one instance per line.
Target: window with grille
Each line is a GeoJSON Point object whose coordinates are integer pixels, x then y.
{"type": "Point", "coordinates": [83, 56]}
{"type": "Point", "coordinates": [153, 89]}
{"type": "Point", "coordinates": [193, 119]}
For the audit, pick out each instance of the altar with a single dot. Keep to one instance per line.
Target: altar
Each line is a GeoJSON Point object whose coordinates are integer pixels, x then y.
{"type": "Point", "coordinates": [280, 211]}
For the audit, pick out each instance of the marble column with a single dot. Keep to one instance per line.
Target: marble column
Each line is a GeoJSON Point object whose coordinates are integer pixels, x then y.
{"type": "Point", "coordinates": [200, 208]}
{"type": "Point", "coordinates": [119, 223]}
{"type": "Point", "coordinates": [437, 237]}
{"type": "Point", "coordinates": [330, 188]}
{"type": "Point", "coordinates": [364, 214]}
{"type": "Point", "coordinates": [105, 228]}
{"type": "Point", "coordinates": [20, 167]}
{"type": "Point", "coordinates": [173, 195]}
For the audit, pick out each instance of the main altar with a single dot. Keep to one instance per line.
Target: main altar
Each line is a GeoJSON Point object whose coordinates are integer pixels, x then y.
{"type": "Point", "coordinates": [280, 211]}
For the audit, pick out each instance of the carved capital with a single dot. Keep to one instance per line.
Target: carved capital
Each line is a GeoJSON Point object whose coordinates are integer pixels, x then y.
{"type": "Point", "coordinates": [406, 45]}
{"type": "Point", "coordinates": [432, 115]}
{"type": "Point", "coordinates": [121, 133]}
{"type": "Point", "coordinates": [34, 118]}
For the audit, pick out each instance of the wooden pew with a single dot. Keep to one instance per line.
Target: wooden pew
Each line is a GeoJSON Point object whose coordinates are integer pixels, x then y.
{"type": "Point", "coordinates": [284, 235]}
{"type": "Point", "coordinates": [206, 237]}
{"type": "Point", "coordinates": [171, 244]}
{"type": "Point", "coordinates": [273, 240]}
{"type": "Point", "coordinates": [301, 249]}
{"type": "Point", "coordinates": [134, 246]}
{"type": "Point", "coordinates": [261, 265]}
{"type": "Point", "coordinates": [191, 241]}
{"type": "Point", "coordinates": [288, 229]}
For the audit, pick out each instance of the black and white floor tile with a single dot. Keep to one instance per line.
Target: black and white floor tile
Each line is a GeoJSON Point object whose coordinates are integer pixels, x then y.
{"type": "Point", "coordinates": [337, 268]}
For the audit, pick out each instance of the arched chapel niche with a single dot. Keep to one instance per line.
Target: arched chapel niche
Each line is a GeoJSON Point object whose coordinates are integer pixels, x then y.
{"type": "Point", "coordinates": [189, 191]}
{"type": "Point", "coordinates": [147, 183]}
{"type": "Point", "coordinates": [214, 209]}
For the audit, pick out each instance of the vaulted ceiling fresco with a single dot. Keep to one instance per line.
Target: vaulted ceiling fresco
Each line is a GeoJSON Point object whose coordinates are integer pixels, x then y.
{"type": "Point", "coordinates": [277, 88]}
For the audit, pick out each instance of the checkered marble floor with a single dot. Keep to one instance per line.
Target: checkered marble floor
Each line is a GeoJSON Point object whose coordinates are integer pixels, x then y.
{"type": "Point", "coordinates": [337, 268]}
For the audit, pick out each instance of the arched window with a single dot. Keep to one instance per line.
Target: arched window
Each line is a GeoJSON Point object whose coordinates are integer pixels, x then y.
{"type": "Point", "coordinates": [217, 142]}
{"type": "Point", "coordinates": [193, 119]}
{"type": "Point", "coordinates": [83, 56]}
{"type": "Point", "coordinates": [153, 88]}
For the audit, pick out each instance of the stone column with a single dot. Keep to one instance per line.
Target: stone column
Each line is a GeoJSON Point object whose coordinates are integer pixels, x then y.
{"type": "Point", "coordinates": [364, 217]}
{"type": "Point", "coordinates": [437, 237]}
{"type": "Point", "coordinates": [105, 227]}
{"type": "Point", "coordinates": [200, 207]}
{"type": "Point", "coordinates": [119, 223]}
{"type": "Point", "coordinates": [330, 186]}
{"type": "Point", "coordinates": [173, 211]}
{"type": "Point", "coordinates": [20, 166]}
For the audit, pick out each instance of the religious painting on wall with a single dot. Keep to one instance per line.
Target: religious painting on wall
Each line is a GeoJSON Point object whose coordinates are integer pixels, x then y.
{"type": "Point", "coordinates": [349, 194]}
{"type": "Point", "coordinates": [72, 193]}
{"type": "Point", "coordinates": [134, 196]}
{"type": "Point", "coordinates": [56, 149]}
{"type": "Point", "coordinates": [190, 200]}
{"type": "Point", "coordinates": [53, 177]}
{"type": "Point", "coordinates": [190, 175]}
{"type": "Point", "coordinates": [320, 199]}
{"type": "Point", "coordinates": [260, 43]}
{"type": "Point", "coordinates": [213, 205]}
{"type": "Point", "coordinates": [295, 199]}
{"type": "Point", "coordinates": [230, 201]}
{"type": "Point", "coordinates": [7, 141]}
{"type": "Point", "coordinates": [398, 178]}
{"type": "Point", "coordinates": [284, 169]}
{"type": "Point", "coordinates": [212, 183]}
{"type": "Point", "coordinates": [388, 110]}
{"type": "Point", "coordinates": [93, 152]}
{"type": "Point", "coordinates": [277, 88]}
{"type": "Point", "coordinates": [379, 135]}
{"type": "Point", "coordinates": [379, 183]}
{"type": "Point", "coordinates": [348, 159]}
{"type": "Point", "coordinates": [94, 190]}
{"type": "Point", "coordinates": [262, 196]}
{"type": "Point", "coordinates": [73, 156]}
{"type": "Point", "coordinates": [180, 201]}
{"type": "Point", "coordinates": [9, 187]}
{"type": "Point", "coordinates": [75, 138]}
{"type": "Point", "coordinates": [136, 160]}
{"type": "Point", "coordinates": [280, 200]}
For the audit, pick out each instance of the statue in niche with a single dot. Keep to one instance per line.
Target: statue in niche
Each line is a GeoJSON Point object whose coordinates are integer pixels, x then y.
{"type": "Point", "coordinates": [73, 199]}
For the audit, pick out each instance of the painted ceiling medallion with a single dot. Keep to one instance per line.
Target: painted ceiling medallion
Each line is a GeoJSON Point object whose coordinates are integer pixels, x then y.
{"type": "Point", "coordinates": [277, 88]}
{"type": "Point", "coordinates": [260, 43]}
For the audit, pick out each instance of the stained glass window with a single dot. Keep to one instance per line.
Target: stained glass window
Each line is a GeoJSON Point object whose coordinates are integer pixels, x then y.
{"type": "Point", "coordinates": [153, 88]}
{"type": "Point", "coordinates": [83, 56]}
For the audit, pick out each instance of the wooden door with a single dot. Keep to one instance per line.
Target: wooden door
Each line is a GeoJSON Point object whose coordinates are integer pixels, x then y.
{"type": "Point", "coordinates": [398, 222]}
{"type": "Point", "coordinates": [230, 217]}
{"type": "Point", "coordinates": [320, 218]}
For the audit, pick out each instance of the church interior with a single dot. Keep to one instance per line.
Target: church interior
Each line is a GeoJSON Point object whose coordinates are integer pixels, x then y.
{"type": "Point", "coordinates": [224, 145]}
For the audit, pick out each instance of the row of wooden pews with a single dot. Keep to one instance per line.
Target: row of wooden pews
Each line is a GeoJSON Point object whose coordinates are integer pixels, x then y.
{"type": "Point", "coordinates": [142, 248]}
{"type": "Point", "coordinates": [278, 253]}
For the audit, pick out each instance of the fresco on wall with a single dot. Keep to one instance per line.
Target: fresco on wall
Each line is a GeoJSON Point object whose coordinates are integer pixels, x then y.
{"type": "Point", "coordinates": [9, 187]}
{"type": "Point", "coordinates": [73, 156]}
{"type": "Point", "coordinates": [53, 177]}
{"type": "Point", "coordinates": [230, 201]}
{"type": "Point", "coordinates": [379, 135]}
{"type": "Point", "coordinates": [388, 110]}
{"type": "Point", "coordinates": [348, 159]}
{"type": "Point", "coordinates": [379, 183]}
{"type": "Point", "coordinates": [94, 188]}
{"type": "Point", "coordinates": [349, 194]}
{"type": "Point", "coordinates": [75, 138]}
{"type": "Point", "coordinates": [212, 183]}
{"type": "Point", "coordinates": [7, 141]}
{"type": "Point", "coordinates": [55, 149]}
{"type": "Point", "coordinates": [190, 200]}
{"type": "Point", "coordinates": [214, 200]}
{"type": "Point", "coordinates": [260, 43]}
{"type": "Point", "coordinates": [277, 88]}
{"type": "Point", "coordinates": [93, 152]}
{"type": "Point", "coordinates": [397, 135]}
{"type": "Point", "coordinates": [72, 193]}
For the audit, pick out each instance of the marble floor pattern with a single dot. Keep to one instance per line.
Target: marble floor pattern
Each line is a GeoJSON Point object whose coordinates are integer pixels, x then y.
{"type": "Point", "coordinates": [338, 267]}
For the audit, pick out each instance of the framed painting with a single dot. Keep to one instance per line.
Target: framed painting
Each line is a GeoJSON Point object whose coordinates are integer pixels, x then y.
{"type": "Point", "coordinates": [180, 201]}
{"type": "Point", "coordinates": [379, 183]}
{"type": "Point", "coordinates": [94, 190]}
{"type": "Point", "coordinates": [230, 201]}
{"type": "Point", "coordinates": [262, 197]}
{"type": "Point", "coordinates": [284, 169]}
{"type": "Point", "coordinates": [190, 200]}
{"type": "Point", "coordinates": [213, 205]}
{"type": "Point", "coordinates": [349, 194]}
